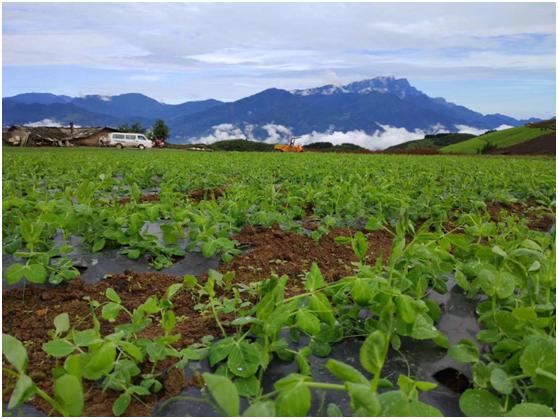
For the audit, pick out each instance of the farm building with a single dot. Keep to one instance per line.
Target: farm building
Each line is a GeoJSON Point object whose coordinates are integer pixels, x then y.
{"type": "Point", "coordinates": [54, 136]}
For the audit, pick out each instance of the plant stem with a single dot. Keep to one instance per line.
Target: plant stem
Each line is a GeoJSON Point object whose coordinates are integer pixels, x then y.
{"type": "Point", "coordinates": [544, 373]}
{"type": "Point", "coordinates": [325, 386]}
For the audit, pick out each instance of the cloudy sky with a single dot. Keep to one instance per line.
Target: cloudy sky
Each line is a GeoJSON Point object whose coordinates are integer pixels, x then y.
{"type": "Point", "coordinates": [491, 57]}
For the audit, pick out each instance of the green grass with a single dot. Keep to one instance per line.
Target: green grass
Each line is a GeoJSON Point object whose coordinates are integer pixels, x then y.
{"type": "Point", "coordinates": [433, 142]}
{"type": "Point", "coordinates": [501, 139]}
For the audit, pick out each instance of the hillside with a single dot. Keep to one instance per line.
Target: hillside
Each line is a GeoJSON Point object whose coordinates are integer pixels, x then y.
{"type": "Point", "coordinates": [432, 142]}
{"type": "Point", "coordinates": [498, 139]}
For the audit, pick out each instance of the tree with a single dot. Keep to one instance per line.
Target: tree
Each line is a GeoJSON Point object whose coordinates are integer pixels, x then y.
{"type": "Point", "coordinates": [135, 127]}
{"type": "Point", "coordinates": [160, 130]}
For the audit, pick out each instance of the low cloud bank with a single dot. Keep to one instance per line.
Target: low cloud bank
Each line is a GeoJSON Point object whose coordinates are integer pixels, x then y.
{"type": "Point", "coordinates": [379, 140]}
{"type": "Point", "coordinates": [465, 129]}
{"type": "Point", "coordinates": [45, 123]}
{"type": "Point", "coordinates": [388, 136]}
{"type": "Point", "coordinates": [222, 132]}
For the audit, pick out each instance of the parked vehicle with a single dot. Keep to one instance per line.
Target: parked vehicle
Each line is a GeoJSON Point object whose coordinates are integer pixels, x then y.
{"type": "Point", "coordinates": [126, 139]}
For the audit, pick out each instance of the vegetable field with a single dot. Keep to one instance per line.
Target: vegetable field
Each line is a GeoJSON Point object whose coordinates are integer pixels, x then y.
{"type": "Point", "coordinates": [180, 283]}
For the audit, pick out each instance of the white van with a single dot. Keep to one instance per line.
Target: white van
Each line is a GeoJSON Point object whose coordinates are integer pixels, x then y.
{"type": "Point", "coordinates": [128, 139]}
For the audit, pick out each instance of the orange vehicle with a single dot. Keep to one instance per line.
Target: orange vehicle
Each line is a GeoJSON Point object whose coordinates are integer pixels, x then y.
{"type": "Point", "coordinates": [289, 148]}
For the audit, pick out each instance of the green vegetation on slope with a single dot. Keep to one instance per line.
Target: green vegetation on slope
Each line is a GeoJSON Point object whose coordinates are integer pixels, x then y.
{"type": "Point", "coordinates": [434, 141]}
{"type": "Point", "coordinates": [499, 139]}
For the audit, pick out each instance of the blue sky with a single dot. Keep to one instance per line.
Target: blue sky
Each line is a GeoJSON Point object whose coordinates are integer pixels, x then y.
{"type": "Point", "coordinates": [491, 57]}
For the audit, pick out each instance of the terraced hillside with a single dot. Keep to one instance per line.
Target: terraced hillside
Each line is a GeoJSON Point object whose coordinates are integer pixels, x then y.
{"type": "Point", "coordinates": [433, 142]}
{"type": "Point", "coordinates": [499, 139]}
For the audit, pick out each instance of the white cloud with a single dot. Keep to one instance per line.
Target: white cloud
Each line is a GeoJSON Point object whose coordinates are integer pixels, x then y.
{"type": "Point", "coordinates": [378, 140]}
{"type": "Point", "coordinates": [222, 132]}
{"type": "Point", "coordinates": [465, 129]}
{"type": "Point", "coordinates": [277, 133]}
{"type": "Point", "coordinates": [46, 123]}
{"type": "Point", "coordinates": [503, 126]}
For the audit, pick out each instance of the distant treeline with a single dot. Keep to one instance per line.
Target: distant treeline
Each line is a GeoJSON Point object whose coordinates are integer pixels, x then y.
{"type": "Point", "coordinates": [243, 145]}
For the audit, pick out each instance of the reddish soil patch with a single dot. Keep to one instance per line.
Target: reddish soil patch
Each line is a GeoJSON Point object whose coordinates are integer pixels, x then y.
{"type": "Point", "coordinates": [272, 250]}
{"type": "Point", "coordinates": [545, 144]}
{"type": "Point", "coordinates": [535, 220]}
{"type": "Point", "coordinates": [198, 195]}
{"type": "Point", "coordinates": [28, 315]}
{"type": "Point", "coordinates": [144, 198]}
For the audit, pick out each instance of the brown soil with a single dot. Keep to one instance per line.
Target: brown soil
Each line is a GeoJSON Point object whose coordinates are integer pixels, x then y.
{"type": "Point", "coordinates": [28, 315]}
{"type": "Point", "coordinates": [272, 250]}
{"type": "Point", "coordinates": [144, 198]}
{"type": "Point", "coordinates": [535, 221]}
{"type": "Point", "coordinates": [545, 144]}
{"type": "Point", "coordinates": [198, 195]}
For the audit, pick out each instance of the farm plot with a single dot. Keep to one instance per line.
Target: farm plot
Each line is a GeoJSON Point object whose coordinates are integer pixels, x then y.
{"type": "Point", "coordinates": [177, 283]}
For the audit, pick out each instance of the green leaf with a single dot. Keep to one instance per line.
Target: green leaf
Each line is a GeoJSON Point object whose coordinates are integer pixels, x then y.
{"type": "Point", "coordinates": [294, 397]}
{"type": "Point", "coordinates": [498, 251]}
{"type": "Point", "coordinates": [374, 223]}
{"type": "Point", "coordinates": [36, 273]}
{"type": "Point", "coordinates": [524, 313]}
{"type": "Point", "coordinates": [406, 309]}
{"type": "Point", "coordinates": [488, 335]}
{"type": "Point", "coordinates": [113, 296]}
{"type": "Point", "coordinates": [322, 308]}
{"type": "Point", "coordinates": [360, 245]}
{"type": "Point", "coordinates": [372, 352]}
{"type": "Point", "coordinates": [220, 350]}
{"type": "Point", "coordinates": [121, 404]}
{"type": "Point", "coordinates": [421, 409]}
{"type": "Point", "coordinates": [361, 291]}
{"type": "Point", "coordinates": [173, 289]}
{"type": "Point", "coordinates": [480, 403]}
{"type": "Point", "coordinates": [244, 359]}
{"type": "Point", "coordinates": [314, 279]}
{"type": "Point", "coordinates": [260, 409]}
{"type": "Point", "coordinates": [248, 387]}
{"type": "Point", "coordinates": [110, 311]}
{"type": "Point", "coordinates": [190, 281]}
{"type": "Point", "coordinates": [500, 381]}
{"type": "Point", "coordinates": [58, 348]}
{"type": "Point", "coordinates": [423, 328]}
{"type": "Point", "coordinates": [86, 337]}
{"type": "Point", "coordinates": [101, 362]}
{"type": "Point", "coordinates": [15, 352]}
{"type": "Point", "coordinates": [133, 254]}
{"type": "Point", "coordinates": [98, 245]}
{"type": "Point", "coordinates": [62, 323]}
{"type": "Point", "coordinates": [14, 273]}
{"type": "Point", "coordinates": [465, 351]}
{"type": "Point", "coordinates": [364, 401]}
{"type": "Point", "coordinates": [307, 322]}
{"type": "Point", "coordinates": [69, 394]}
{"type": "Point", "coordinates": [132, 350]}
{"type": "Point", "coordinates": [394, 403]}
{"type": "Point", "coordinates": [461, 280]}
{"type": "Point", "coordinates": [540, 356]}
{"type": "Point", "coordinates": [23, 391]}
{"type": "Point", "coordinates": [332, 410]}
{"type": "Point", "coordinates": [224, 392]}
{"type": "Point", "coordinates": [531, 409]}
{"type": "Point", "coordinates": [345, 372]}
{"type": "Point", "coordinates": [168, 321]}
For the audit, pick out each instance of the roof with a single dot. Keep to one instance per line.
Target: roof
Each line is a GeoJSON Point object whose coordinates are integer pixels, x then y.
{"type": "Point", "coordinates": [58, 133]}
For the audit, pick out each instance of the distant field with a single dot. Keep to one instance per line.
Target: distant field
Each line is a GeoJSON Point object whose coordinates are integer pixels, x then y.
{"type": "Point", "coordinates": [433, 142]}
{"type": "Point", "coordinates": [501, 139]}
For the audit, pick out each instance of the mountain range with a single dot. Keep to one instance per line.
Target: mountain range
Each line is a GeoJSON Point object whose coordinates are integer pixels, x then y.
{"type": "Point", "coordinates": [367, 105]}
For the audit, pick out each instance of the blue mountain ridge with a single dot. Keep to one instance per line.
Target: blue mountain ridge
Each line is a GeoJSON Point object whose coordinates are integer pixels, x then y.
{"type": "Point", "coordinates": [365, 105]}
